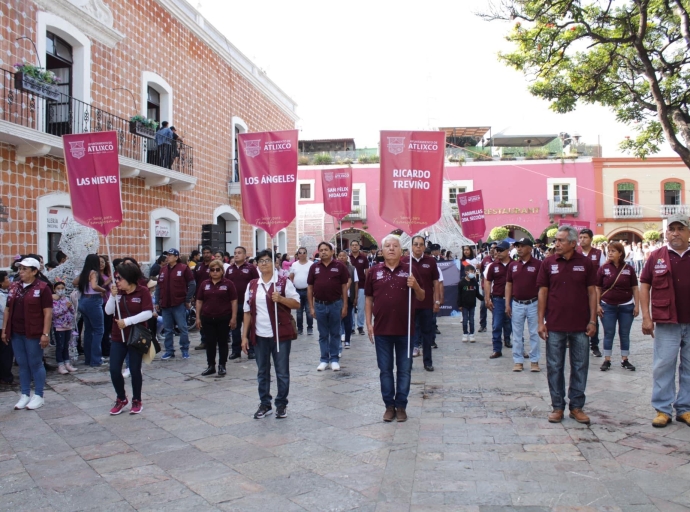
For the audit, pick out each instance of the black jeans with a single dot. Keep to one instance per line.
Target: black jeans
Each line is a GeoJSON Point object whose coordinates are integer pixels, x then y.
{"type": "Point", "coordinates": [347, 321]}
{"type": "Point", "coordinates": [107, 327]}
{"type": "Point", "coordinates": [6, 359]}
{"type": "Point", "coordinates": [304, 307]}
{"type": "Point", "coordinates": [118, 352]}
{"type": "Point", "coordinates": [237, 336]}
{"type": "Point", "coordinates": [424, 325]}
{"type": "Point", "coordinates": [216, 331]}
{"type": "Point", "coordinates": [264, 349]}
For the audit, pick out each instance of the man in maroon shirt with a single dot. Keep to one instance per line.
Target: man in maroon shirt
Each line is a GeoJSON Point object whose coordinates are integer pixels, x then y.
{"type": "Point", "coordinates": [596, 256]}
{"type": "Point", "coordinates": [327, 296]}
{"type": "Point", "coordinates": [521, 304]}
{"type": "Point", "coordinates": [486, 261]}
{"type": "Point", "coordinates": [387, 293]}
{"type": "Point", "coordinates": [200, 275]}
{"type": "Point", "coordinates": [665, 285]}
{"type": "Point", "coordinates": [568, 303]}
{"type": "Point", "coordinates": [496, 275]}
{"type": "Point", "coordinates": [240, 273]}
{"type": "Point", "coordinates": [359, 261]}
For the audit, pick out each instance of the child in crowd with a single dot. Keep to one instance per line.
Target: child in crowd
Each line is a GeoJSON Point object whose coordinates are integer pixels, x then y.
{"type": "Point", "coordinates": [468, 293]}
{"type": "Point", "coordinates": [63, 323]}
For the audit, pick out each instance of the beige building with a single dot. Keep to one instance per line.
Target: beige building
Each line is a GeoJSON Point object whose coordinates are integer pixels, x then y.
{"type": "Point", "coordinates": [636, 195]}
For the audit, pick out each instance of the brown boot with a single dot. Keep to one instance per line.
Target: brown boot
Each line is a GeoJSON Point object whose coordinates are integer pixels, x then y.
{"type": "Point", "coordinates": [400, 415]}
{"type": "Point", "coordinates": [579, 416]}
{"type": "Point", "coordinates": [662, 419]}
{"type": "Point", "coordinates": [389, 415]}
{"type": "Point", "coordinates": [556, 416]}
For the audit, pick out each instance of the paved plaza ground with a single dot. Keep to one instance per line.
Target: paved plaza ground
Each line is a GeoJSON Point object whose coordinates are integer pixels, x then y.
{"type": "Point", "coordinates": [477, 439]}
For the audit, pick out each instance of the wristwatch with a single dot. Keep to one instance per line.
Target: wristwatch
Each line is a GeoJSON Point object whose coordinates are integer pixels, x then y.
{"type": "Point", "coordinates": [437, 302]}
{"type": "Point", "coordinates": [46, 335]}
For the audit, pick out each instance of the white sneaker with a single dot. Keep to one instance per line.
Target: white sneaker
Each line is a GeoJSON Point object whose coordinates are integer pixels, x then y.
{"type": "Point", "coordinates": [472, 340]}
{"type": "Point", "coordinates": [23, 401]}
{"type": "Point", "coordinates": [125, 373]}
{"type": "Point", "coordinates": [335, 367]}
{"type": "Point", "coordinates": [35, 403]}
{"type": "Point", "coordinates": [62, 370]}
{"type": "Point", "coordinates": [322, 367]}
{"type": "Point", "coordinates": [465, 338]}
{"type": "Point", "coordinates": [342, 337]}
{"type": "Point", "coordinates": [415, 352]}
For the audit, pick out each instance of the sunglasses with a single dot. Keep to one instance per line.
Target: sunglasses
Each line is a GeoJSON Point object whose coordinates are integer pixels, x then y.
{"type": "Point", "coordinates": [301, 252]}
{"type": "Point", "coordinates": [216, 270]}
{"type": "Point", "coordinates": [265, 262]}
{"type": "Point", "coordinates": [499, 250]}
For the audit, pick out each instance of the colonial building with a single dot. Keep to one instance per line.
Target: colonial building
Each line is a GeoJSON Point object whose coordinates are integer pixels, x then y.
{"type": "Point", "coordinates": [118, 58]}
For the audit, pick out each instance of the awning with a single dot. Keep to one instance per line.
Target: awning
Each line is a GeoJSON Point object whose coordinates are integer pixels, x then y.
{"type": "Point", "coordinates": [520, 141]}
{"type": "Point", "coordinates": [476, 132]}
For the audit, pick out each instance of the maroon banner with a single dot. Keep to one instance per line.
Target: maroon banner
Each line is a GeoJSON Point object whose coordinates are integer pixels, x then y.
{"type": "Point", "coordinates": [411, 179]}
{"type": "Point", "coordinates": [471, 209]}
{"type": "Point", "coordinates": [268, 174]}
{"type": "Point", "coordinates": [337, 192]}
{"type": "Point", "coordinates": [93, 173]}
{"type": "Point", "coordinates": [577, 224]}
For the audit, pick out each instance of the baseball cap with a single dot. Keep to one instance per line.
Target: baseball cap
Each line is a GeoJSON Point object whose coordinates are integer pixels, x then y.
{"type": "Point", "coordinates": [525, 241]}
{"type": "Point", "coordinates": [679, 217]}
{"type": "Point", "coordinates": [173, 252]}
{"type": "Point", "coordinates": [503, 246]}
{"type": "Point", "coordinates": [33, 262]}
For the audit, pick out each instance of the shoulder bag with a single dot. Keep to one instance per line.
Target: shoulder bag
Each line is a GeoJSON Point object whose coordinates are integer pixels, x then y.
{"type": "Point", "coordinates": [140, 337]}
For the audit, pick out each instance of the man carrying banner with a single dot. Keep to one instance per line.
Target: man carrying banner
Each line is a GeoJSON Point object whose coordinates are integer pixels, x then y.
{"type": "Point", "coordinates": [359, 261]}
{"type": "Point", "coordinates": [387, 318]}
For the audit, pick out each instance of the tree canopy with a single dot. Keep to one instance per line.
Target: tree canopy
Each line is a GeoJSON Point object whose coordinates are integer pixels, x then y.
{"type": "Point", "coordinates": [630, 55]}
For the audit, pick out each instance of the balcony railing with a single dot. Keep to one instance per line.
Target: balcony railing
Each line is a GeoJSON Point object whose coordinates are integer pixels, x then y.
{"type": "Point", "coordinates": [632, 211]}
{"type": "Point", "coordinates": [563, 208]}
{"type": "Point", "coordinates": [357, 213]}
{"type": "Point", "coordinates": [69, 115]}
{"type": "Point", "coordinates": [667, 210]}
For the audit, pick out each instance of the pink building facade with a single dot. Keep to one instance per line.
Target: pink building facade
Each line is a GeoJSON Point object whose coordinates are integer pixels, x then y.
{"type": "Point", "coordinates": [525, 196]}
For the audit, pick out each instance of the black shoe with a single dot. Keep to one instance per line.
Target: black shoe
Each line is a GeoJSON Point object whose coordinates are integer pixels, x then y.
{"type": "Point", "coordinates": [201, 346]}
{"type": "Point", "coordinates": [429, 368]}
{"type": "Point", "coordinates": [605, 366]}
{"type": "Point", "coordinates": [221, 371]}
{"type": "Point", "coordinates": [596, 352]}
{"type": "Point", "coordinates": [508, 344]}
{"type": "Point", "coordinates": [434, 345]}
{"type": "Point", "coordinates": [361, 331]}
{"type": "Point", "coordinates": [482, 329]}
{"type": "Point", "coordinates": [299, 333]}
{"type": "Point", "coordinates": [263, 411]}
{"type": "Point", "coordinates": [627, 365]}
{"type": "Point", "coordinates": [281, 411]}
{"type": "Point", "coordinates": [437, 331]}
{"type": "Point", "coordinates": [495, 355]}
{"type": "Point", "coordinates": [310, 332]}
{"type": "Point", "coordinates": [234, 355]}
{"type": "Point", "coordinates": [208, 371]}
{"type": "Point", "coordinates": [251, 356]}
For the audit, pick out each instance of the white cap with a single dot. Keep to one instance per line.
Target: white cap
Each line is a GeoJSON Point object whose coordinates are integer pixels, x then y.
{"type": "Point", "coordinates": [30, 262]}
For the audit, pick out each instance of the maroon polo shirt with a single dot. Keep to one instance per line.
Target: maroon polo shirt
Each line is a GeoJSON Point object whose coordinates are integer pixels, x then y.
{"type": "Point", "coordinates": [568, 299]}
{"type": "Point", "coordinates": [621, 292]}
{"type": "Point", "coordinates": [172, 284]}
{"type": "Point", "coordinates": [217, 298]}
{"type": "Point", "coordinates": [328, 280]}
{"type": "Point", "coordinates": [594, 255]}
{"type": "Point", "coordinates": [680, 272]}
{"type": "Point", "coordinates": [498, 275]}
{"type": "Point", "coordinates": [31, 292]}
{"type": "Point", "coordinates": [201, 273]}
{"type": "Point", "coordinates": [240, 277]}
{"type": "Point", "coordinates": [137, 301]}
{"type": "Point", "coordinates": [485, 262]}
{"type": "Point", "coordinates": [390, 292]}
{"type": "Point", "coordinates": [427, 269]}
{"type": "Point", "coordinates": [523, 276]}
{"type": "Point", "coordinates": [361, 264]}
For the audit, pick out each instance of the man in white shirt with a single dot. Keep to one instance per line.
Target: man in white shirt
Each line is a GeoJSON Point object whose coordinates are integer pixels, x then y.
{"type": "Point", "coordinates": [299, 271]}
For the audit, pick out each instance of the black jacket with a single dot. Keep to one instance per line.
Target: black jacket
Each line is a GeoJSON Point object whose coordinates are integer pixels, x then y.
{"type": "Point", "coordinates": [468, 293]}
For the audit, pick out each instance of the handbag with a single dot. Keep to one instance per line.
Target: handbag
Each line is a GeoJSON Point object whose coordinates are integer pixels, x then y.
{"type": "Point", "coordinates": [140, 338]}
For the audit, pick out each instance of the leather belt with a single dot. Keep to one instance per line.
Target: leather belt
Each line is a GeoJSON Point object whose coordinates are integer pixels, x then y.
{"type": "Point", "coordinates": [325, 302]}
{"type": "Point", "coordinates": [527, 302]}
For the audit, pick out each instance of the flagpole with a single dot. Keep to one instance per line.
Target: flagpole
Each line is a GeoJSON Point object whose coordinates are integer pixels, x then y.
{"type": "Point", "coordinates": [341, 236]}
{"type": "Point", "coordinates": [409, 308]}
{"type": "Point", "coordinates": [275, 288]}
{"type": "Point", "coordinates": [112, 279]}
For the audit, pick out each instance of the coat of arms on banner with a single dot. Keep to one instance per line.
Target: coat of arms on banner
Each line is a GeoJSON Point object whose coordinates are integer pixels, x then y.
{"type": "Point", "coordinates": [77, 149]}
{"type": "Point", "coordinates": [463, 200]}
{"type": "Point", "coordinates": [396, 145]}
{"type": "Point", "coordinates": [328, 176]}
{"type": "Point", "coordinates": [252, 147]}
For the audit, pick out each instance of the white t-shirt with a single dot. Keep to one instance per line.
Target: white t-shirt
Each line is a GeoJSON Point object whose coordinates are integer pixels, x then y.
{"type": "Point", "coordinates": [301, 271]}
{"type": "Point", "coordinates": [263, 321]}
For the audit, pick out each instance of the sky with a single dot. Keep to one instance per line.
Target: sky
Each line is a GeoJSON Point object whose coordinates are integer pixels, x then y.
{"type": "Point", "coordinates": [358, 67]}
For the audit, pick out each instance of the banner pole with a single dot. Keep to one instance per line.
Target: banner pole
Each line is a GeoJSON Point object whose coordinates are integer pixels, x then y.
{"type": "Point", "coordinates": [409, 308]}
{"type": "Point", "coordinates": [275, 288]}
{"type": "Point", "coordinates": [112, 278]}
{"type": "Point", "coordinates": [341, 236]}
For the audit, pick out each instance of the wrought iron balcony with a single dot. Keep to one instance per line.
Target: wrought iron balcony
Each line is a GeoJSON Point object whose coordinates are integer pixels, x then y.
{"type": "Point", "coordinates": [667, 210]}
{"type": "Point", "coordinates": [564, 208]}
{"type": "Point", "coordinates": [357, 213]}
{"type": "Point", "coordinates": [632, 211]}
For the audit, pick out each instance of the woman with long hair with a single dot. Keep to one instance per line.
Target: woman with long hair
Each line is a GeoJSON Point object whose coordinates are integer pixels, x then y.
{"type": "Point", "coordinates": [91, 308]}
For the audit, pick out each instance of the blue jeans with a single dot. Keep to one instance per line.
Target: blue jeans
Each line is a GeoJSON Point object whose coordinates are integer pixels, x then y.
{"type": "Point", "coordinates": [118, 353]}
{"type": "Point", "coordinates": [394, 393]}
{"type": "Point", "coordinates": [346, 323]}
{"type": "Point", "coordinates": [468, 320]}
{"type": "Point", "coordinates": [171, 316]}
{"type": "Point", "coordinates": [62, 346]}
{"type": "Point", "coordinates": [264, 349]}
{"type": "Point", "coordinates": [91, 309]}
{"type": "Point", "coordinates": [555, 368]}
{"type": "Point", "coordinates": [360, 305]}
{"type": "Point", "coordinates": [522, 312]}
{"type": "Point", "coordinates": [424, 329]}
{"type": "Point", "coordinates": [623, 316]}
{"type": "Point", "coordinates": [304, 308]}
{"type": "Point", "coordinates": [669, 341]}
{"type": "Point", "coordinates": [501, 324]}
{"type": "Point", "coordinates": [29, 356]}
{"type": "Point", "coordinates": [328, 320]}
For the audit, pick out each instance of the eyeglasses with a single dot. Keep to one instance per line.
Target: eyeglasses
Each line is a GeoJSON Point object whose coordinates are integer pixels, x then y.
{"type": "Point", "coordinates": [264, 262]}
{"type": "Point", "coordinates": [216, 270]}
{"type": "Point", "coordinates": [499, 250]}
{"type": "Point", "coordinates": [419, 244]}
{"type": "Point", "coordinates": [301, 252]}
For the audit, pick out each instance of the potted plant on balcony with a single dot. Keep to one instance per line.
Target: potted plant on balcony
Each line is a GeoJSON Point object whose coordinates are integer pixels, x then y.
{"type": "Point", "coordinates": [139, 125]}
{"type": "Point", "coordinates": [35, 80]}
{"type": "Point", "coordinates": [563, 204]}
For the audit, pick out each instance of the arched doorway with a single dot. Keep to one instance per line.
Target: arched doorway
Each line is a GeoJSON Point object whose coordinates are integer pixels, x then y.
{"type": "Point", "coordinates": [164, 232]}
{"type": "Point", "coordinates": [53, 212]}
{"type": "Point", "coordinates": [365, 239]}
{"type": "Point", "coordinates": [625, 235]}
{"type": "Point", "coordinates": [517, 232]}
{"type": "Point", "coordinates": [260, 238]}
{"type": "Point", "coordinates": [228, 220]}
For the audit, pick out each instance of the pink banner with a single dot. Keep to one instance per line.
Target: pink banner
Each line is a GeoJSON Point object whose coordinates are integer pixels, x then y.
{"type": "Point", "coordinates": [337, 192]}
{"type": "Point", "coordinates": [411, 179]}
{"type": "Point", "coordinates": [577, 224]}
{"type": "Point", "coordinates": [93, 172]}
{"type": "Point", "coordinates": [471, 209]}
{"type": "Point", "coordinates": [268, 178]}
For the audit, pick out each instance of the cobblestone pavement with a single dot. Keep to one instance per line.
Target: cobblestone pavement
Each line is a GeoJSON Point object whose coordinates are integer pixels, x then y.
{"type": "Point", "coordinates": [477, 439]}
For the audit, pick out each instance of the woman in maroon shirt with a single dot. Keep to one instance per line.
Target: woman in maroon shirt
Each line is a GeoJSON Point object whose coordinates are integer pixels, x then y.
{"type": "Point", "coordinates": [216, 306]}
{"type": "Point", "coordinates": [618, 299]}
